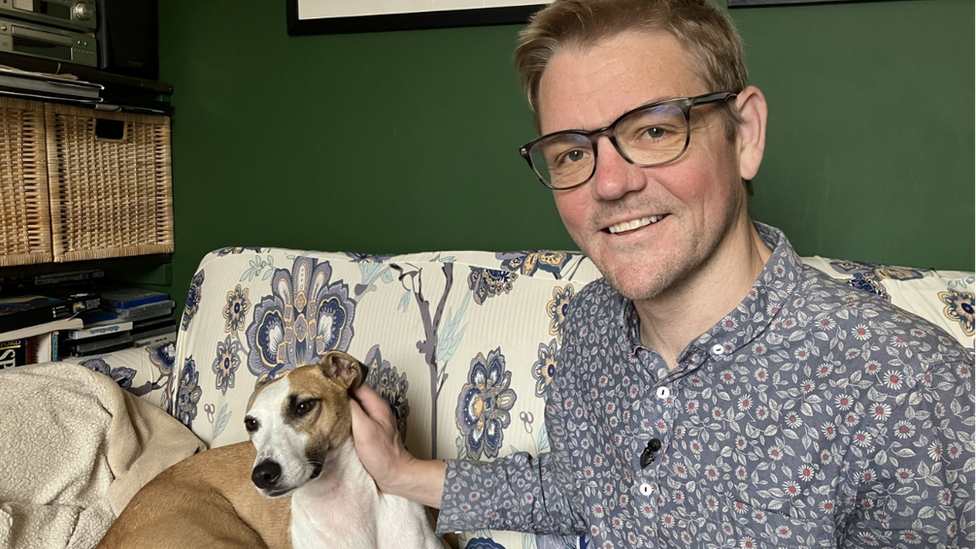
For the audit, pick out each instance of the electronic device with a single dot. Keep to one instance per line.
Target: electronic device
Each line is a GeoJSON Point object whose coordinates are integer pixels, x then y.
{"type": "Point", "coordinates": [74, 14]}
{"type": "Point", "coordinates": [47, 42]}
{"type": "Point", "coordinates": [128, 37]}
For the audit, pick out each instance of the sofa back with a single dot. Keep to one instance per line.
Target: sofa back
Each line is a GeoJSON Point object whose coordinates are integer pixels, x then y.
{"type": "Point", "coordinates": [461, 344]}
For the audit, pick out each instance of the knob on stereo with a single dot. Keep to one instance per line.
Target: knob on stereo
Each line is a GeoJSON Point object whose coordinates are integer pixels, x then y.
{"type": "Point", "coordinates": [647, 456]}
{"type": "Point", "coordinates": [82, 11]}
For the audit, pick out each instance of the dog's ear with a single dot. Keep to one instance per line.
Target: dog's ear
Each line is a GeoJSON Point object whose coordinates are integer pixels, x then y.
{"type": "Point", "coordinates": [343, 367]}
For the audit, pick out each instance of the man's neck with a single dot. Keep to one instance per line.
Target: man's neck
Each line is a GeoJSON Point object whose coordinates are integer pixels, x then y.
{"type": "Point", "coordinates": [670, 320]}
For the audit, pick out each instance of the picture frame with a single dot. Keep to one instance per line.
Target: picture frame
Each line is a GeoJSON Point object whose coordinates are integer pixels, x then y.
{"type": "Point", "coordinates": [760, 3]}
{"type": "Point", "coordinates": [308, 17]}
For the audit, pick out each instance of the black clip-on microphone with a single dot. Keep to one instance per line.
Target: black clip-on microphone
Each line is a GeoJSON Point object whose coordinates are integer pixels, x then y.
{"type": "Point", "coordinates": [647, 456]}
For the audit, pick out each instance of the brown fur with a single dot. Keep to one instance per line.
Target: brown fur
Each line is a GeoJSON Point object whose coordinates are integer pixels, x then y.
{"type": "Point", "coordinates": [206, 500]}
{"type": "Point", "coordinates": [209, 501]}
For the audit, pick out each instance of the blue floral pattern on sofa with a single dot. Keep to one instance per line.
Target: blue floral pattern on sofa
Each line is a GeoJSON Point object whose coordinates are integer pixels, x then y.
{"type": "Point", "coordinates": [461, 344]}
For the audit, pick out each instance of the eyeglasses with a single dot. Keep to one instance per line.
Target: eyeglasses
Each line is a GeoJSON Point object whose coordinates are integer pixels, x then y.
{"type": "Point", "coordinates": [648, 136]}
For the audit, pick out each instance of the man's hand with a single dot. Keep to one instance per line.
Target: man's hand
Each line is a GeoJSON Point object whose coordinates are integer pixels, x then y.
{"type": "Point", "coordinates": [378, 445]}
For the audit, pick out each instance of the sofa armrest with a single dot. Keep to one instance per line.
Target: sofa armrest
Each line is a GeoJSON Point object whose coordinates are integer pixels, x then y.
{"type": "Point", "coordinates": [146, 372]}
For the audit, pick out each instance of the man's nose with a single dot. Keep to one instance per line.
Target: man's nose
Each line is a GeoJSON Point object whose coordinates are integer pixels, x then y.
{"type": "Point", "coordinates": [614, 176]}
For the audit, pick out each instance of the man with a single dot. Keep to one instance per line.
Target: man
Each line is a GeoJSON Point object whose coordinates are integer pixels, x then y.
{"type": "Point", "coordinates": [713, 391]}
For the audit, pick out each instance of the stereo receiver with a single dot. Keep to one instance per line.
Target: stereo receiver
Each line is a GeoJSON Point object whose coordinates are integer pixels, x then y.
{"type": "Point", "coordinates": [74, 14]}
{"type": "Point", "coordinates": [47, 42]}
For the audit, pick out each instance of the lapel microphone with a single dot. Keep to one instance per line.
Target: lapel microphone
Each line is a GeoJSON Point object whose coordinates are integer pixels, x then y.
{"type": "Point", "coordinates": [647, 456]}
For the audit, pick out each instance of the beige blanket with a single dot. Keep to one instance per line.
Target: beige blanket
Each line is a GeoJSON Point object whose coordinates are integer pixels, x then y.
{"type": "Point", "coordinates": [74, 449]}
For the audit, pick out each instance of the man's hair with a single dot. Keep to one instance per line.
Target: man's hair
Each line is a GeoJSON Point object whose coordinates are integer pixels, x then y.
{"type": "Point", "coordinates": [702, 30]}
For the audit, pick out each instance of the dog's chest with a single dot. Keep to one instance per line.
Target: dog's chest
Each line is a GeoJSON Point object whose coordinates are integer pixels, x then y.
{"type": "Point", "coordinates": [344, 520]}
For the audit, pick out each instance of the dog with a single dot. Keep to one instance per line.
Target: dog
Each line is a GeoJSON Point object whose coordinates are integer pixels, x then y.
{"type": "Point", "coordinates": [297, 484]}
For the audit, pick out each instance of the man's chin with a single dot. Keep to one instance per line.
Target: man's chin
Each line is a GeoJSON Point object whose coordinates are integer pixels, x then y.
{"type": "Point", "coordinates": [637, 283]}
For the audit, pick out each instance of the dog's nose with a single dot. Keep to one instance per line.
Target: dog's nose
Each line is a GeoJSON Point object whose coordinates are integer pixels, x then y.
{"type": "Point", "coordinates": [266, 474]}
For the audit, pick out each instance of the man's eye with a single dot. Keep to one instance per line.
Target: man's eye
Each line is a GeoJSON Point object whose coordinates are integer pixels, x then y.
{"type": "Point", "coordinates": [655, 132]}
{"type": "Point", "coordinates": [251, 425]}
{"type": "Point", "coordinates": [570, 157]}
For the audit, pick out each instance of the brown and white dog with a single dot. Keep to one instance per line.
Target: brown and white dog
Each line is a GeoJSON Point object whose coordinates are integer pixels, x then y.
{"type": "Point", "coordinates": [312, 490]}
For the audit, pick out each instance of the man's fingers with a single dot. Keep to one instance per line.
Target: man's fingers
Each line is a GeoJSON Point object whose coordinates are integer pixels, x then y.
{"type": "Point", "coordinates": [372, 404]}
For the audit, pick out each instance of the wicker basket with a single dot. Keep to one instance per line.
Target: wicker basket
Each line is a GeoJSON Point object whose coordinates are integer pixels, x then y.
{"type": "Point", "coordinates": [25, 227]}
{"type": "Point", "coordinates": [110, 196]}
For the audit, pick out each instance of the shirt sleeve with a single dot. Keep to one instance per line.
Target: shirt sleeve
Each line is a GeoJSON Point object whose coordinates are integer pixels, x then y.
{"type": "Point", "coordinates": [917, 489]}
{"type": "Point", "coordinates": [518, 492]}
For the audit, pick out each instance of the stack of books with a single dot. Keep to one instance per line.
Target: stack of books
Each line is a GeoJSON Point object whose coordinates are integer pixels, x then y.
{"type": "Point", "coordinates": [129, 317]}
{"type": "Point", "coordinates": [48, 87]}
{"type": "Point", "coordinates": [51, 323]}
{"type": "Point", "coordinates": [31, 324]}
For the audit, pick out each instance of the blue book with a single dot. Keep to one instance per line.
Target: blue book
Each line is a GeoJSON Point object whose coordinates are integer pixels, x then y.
{"type": "Point", "coordinates": [126, 298]}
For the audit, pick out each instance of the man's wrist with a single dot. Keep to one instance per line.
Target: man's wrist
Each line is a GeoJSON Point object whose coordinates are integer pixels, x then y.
{"type": "Point", "coordinates": [419, 480]}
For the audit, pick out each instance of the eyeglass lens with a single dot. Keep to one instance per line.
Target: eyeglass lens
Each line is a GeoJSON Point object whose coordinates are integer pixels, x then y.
{"type": "Point", "coordinates": [651, 136]}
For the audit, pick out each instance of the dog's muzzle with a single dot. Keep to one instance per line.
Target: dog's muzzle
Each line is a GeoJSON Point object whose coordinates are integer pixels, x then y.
{"type": "Point", "coordinates": [266, 475]}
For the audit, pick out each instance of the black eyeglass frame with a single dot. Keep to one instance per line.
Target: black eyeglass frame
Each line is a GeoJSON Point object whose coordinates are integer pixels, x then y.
{"type": "Point", "coordinates": [683, 103]}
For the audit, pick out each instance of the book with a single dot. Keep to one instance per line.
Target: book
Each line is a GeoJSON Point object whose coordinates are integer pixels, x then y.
{"type": "Point", "coordinates": [99, 329]}
{"type": "Point", "coordinates": [82, 300]}
{"type": "Point", "coordinates": [166, 313]}
{"type": "Point", "coordinates": [154, 322]}
{"type": "Point", "coordinates": [43, 348]}
{"type": "Point", "coordinates": [13, 353]}
{"type": "Point", "coordinates": [72, 323]}
{"type": "Point", "coordinates": [149, 310]}
{"type": "Point", "coordinates": [101, 345]}
{"type": "Point", "coordinates": [101, 351]}
{"type": "Point", "coordinates": [127, 298]}
{"type": "Point", "coordinates": [97, 316]}
{"type": "Point", "coordinates": [16, 80]}
{"type": "Point", "coordinates": [29, 309]}
{"type": "Point", "coordinates": [155, 340]}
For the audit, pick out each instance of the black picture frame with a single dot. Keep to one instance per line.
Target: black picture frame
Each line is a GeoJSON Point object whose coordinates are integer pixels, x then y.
{"type": "Point", "coordinates": [504, 15]}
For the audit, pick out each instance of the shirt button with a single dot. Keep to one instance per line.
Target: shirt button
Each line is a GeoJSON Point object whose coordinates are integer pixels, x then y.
{"type": "Point", "coordinates": [645, 489]}
{"type": "Point", "coordinates": [663, 393]}
{"type": "Point", "coordinates": [718, 349]}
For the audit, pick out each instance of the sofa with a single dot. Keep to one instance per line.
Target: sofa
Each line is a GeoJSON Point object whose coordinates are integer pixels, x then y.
{"type": "Point", "coordinates": [461, 344]}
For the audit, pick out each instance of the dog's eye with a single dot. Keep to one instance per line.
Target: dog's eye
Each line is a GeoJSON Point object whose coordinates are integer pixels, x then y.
{"type": "Point", "coordinates": [251, 424]}
{"type": "Point", "coordinates": [305, 407]}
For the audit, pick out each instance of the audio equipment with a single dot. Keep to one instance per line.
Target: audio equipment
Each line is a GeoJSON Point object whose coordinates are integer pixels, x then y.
{"type": "Point", "coordinates": [47, 42]}
{"type": "Point", "coordinates": [73, 14]}
{"type": "Point", "coordinates": [128, 37]}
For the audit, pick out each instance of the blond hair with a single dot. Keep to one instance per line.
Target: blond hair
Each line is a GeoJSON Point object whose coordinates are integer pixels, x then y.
{"type": "Point", "coordinates": [701, 29]}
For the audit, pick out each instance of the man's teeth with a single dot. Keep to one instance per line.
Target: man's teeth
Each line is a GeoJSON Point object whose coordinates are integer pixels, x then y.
{"type": "Point", "coordinates": [634, 224]}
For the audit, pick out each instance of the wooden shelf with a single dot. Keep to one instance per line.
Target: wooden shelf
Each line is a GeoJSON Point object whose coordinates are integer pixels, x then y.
{"type": "Point", "coordinates": [90, 74]}
{"type": "Point", "coordinates": [113, 263]}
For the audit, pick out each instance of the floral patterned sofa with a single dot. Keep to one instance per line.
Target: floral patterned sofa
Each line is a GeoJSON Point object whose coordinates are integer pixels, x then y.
{"type": "Point", "coordinates": [461, 344]}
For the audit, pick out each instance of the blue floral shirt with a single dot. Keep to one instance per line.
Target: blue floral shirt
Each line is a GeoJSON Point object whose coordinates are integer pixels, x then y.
{"type": "Point", "coordinates": [812, 415]}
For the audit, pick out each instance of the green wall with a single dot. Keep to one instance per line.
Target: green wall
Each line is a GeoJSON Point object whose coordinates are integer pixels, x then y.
{"type": "Point", "coordinates": [406, 141]}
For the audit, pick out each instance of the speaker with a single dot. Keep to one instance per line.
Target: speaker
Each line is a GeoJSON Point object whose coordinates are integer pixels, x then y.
{"type": "Point", "coordinates": [128, 37]}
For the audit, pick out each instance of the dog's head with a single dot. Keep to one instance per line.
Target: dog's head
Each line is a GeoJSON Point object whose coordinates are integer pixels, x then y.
{"type": "Point", "coordinates": [295, 420]}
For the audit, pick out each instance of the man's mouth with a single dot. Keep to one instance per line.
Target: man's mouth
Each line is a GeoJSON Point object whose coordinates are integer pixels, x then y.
{"type": "Point", "coordinates": [626, 226]}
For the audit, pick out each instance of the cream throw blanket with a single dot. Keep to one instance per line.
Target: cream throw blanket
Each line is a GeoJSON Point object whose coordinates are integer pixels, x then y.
{"type": "Point", "coordinates": [74, 449]}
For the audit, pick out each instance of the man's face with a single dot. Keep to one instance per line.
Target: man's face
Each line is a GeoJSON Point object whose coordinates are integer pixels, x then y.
{"type": "Point", "coordinates": [697, 198]}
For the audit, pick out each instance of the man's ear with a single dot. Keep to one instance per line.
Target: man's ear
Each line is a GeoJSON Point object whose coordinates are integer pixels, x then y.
{"type": "Point", "coordinates": [344, 368]}
{"type": "Point", "coordinates": [751, 140]}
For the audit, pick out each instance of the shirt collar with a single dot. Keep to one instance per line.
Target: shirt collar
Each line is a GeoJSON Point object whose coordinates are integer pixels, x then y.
{"type": "Point", "coordinates": [768, 295]}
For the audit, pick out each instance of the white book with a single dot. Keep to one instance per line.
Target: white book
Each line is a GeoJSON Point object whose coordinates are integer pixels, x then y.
{"type": "Point", "coordinates": [72, 323]}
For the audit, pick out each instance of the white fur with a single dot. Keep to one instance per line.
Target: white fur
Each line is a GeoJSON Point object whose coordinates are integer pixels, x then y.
{"type": "Point", "coordinates": [341, 508]}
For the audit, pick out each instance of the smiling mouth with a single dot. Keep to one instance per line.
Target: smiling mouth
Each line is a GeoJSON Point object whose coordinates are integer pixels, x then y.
{"type": "Point", "coordinates": [627, 226]}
